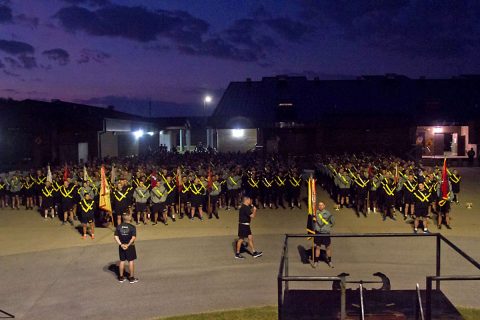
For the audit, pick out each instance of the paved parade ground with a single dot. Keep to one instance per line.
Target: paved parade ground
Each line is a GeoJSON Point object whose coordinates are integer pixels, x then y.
{"type": "Point", "coordinates": [188, 267]}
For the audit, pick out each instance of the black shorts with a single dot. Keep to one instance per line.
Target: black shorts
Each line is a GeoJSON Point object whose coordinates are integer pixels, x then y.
{"type": "Point", "coordinates": [67, 206]}
{"type": "Point", "coordinates": [409, 198]}
{"type": "Point", "coordinates": [244, 231]}
{"type": "Point", "coordinates": [119, 210]}
{"type": "Point", "coordinates": [87, 218]}
{"type": "Point", "coordinates": [171, 199]}
{"type": "Point", "coordinates": [130, 254]}
{"type": "Point", "coordinates": [322, 240]}
{"type": "Point", "coordinates": [140, 207]}
{"type": "Point", "coordinates": [197, 200]}
{"type": "Point", "coordinates": [421, 212]}
{"type": "Point", "coordinates": [445, 208]}
{"type": "Point", "coordinates": [157, 207]}
{"type": "Point", "coordinates": [344, 192]}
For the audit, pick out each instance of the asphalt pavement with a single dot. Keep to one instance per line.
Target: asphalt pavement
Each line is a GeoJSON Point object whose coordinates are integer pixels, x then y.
{"type": "Point", "coordinates": [188, 266]}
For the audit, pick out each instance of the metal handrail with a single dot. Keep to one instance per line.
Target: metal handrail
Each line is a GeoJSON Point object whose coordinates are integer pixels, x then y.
{"type": "Point", "coordinates": [419, 306]}
{"type": "Point", "coordinates": [363, 235]}
{"type": "Point", "coordinates": [460, 252]}
{"type": "Point", "coordinates": [282, 260]}
{"type": "Point", "coordinates": [428, 293]}
{"type": "Point", "coordinates": [362, 306]}
{"type": "Point", "coordinates": [428, 298]}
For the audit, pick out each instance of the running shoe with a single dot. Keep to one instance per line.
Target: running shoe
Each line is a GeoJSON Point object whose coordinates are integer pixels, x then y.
{"type": "Point", "coordinates": [257, 254]}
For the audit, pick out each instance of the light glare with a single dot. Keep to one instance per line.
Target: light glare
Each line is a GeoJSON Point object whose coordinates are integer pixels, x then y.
{"type": "Point", "coordinates": [238, 133]}
{"type": "Point", "coordinates": [138, 134]}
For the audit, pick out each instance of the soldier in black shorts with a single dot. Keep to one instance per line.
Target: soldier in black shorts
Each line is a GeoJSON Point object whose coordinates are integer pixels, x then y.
{"type": "Point", "coordinates": [421, 207]}
{"type": "Point", "coordinates": [125, 236]}
{"type": "Point", "coordinates": [87, 215]}
{"type": "Point", "coordinates": [323, 223]}
{"type": "Point", "coordinates": [246, 213]}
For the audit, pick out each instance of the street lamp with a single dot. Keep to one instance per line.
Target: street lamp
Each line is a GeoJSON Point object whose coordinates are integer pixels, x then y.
{"type": "Point", "coordinates": [206, 100]}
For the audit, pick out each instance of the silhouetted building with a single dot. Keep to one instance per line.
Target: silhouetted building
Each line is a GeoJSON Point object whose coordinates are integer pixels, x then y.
{"type": "Point", "coordinates": [34, 133]}
{"type": "Point", "coordinates": [372, 113]}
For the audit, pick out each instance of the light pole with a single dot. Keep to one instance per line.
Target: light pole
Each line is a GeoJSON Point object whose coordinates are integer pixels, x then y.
{"type": "Point", "coordinates": [206, 100]}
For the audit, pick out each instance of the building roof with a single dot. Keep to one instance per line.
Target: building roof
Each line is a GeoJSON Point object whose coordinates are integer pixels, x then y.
{"type": "Point", "coordinates": [61, 113]}
{"type": "Point", "coordinates": [283, 99]}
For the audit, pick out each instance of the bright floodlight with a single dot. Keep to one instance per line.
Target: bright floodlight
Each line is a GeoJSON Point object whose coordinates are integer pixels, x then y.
{"type": "Point", "coordinates": [138, 134]}
{"type": "Point", "coordinates": [208, 99]}
{"type": "Point", "coordinates": [438, 130]}
{"type": "Point", "coordinates": [150, 133]}
{"type": "Point", "coordinates": [238, 133]}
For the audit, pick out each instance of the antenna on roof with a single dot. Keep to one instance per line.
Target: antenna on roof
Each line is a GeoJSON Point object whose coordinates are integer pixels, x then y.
{"type": "Point", "coordinates": [150, 108]}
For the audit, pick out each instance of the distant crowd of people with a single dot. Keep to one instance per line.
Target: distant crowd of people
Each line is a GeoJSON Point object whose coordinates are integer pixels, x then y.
{"type": "Point", "coordinates": [387, 185]}
{"type": "Point", "coordinates": [160, 187]}
{"type": "Point", "coordinates": [166, 186]}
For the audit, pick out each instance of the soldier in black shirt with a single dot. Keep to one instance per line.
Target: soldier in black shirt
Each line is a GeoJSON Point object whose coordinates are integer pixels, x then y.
{"type": "Point", "coordinates": [67, 201]}
{"type": "Point", "coordinates": [125, 236]}
{"type": "Point", "coordinates": [87, 215]}
{"type": "Point", "coordinates": [421, 206]}
{"type": "Point", "coordinates": [121, 200]}
{"type": "Point", "coordinates": [246, 213]}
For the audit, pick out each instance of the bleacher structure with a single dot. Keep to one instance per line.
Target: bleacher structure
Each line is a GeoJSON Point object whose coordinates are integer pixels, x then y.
{"type": "Point", "coordinates": [302, 293]}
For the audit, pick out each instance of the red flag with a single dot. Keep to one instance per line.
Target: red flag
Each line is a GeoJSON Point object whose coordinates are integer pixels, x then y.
{"type": "Point", "coordinates": [396, 174]}
{"type": "Point", "coordinates": [179, 179]}
{"type": "Point", "coordinates": [65, 173]}
{"type": "Point", "coordinates": [210, 179]}
{"type": "Point", "coordinates": [154, 179]}
{"type": "Point", "coordinates": [444, 187]}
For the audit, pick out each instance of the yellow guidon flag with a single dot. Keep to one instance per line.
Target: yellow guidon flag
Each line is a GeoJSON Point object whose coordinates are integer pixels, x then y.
{"type": "Point", "coordinates": [312, 205]}
{"type": "Point", "coordinates": [104, 203]}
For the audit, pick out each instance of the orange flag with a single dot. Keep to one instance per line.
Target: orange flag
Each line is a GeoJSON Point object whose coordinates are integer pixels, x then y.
{"type": "Point", "coordinates": [105, 203]}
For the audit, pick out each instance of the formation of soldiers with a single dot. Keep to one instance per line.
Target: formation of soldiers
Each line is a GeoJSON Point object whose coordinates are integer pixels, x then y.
{"type": "Point", "coordinates": [387, 185]}
{"type": "Point", "coordinates": [168, 185]}
{"type": "Point", "coordinates": [160, 188]}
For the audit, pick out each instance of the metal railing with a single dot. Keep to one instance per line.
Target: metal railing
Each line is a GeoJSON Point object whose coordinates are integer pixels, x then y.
{"type": "Point", "coordinates": [362, 305]}
{"type": "Point", "coordinates": [418, 305]}
{"type": "Point", "coordinates": [428, 293]}
{"type": "Point", "coordinates": [284, 278]}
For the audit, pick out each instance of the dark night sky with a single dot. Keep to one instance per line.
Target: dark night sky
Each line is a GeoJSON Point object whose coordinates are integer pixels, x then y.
{"type": "Point", "coordinates": [173, 52]}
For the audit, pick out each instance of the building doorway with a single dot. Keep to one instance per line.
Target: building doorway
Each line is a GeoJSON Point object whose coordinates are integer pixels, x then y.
{"type": "Point", "coordinates": [443, 141]}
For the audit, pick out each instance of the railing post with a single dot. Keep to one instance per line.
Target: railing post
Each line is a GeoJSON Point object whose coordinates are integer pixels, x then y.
{"type": "Point", "coordinates": [437, 271]}
{"type": "Point", "coordinates": [428, 299]}
{"type": "Point", "coordinates": [280, 297]}
{"type": "Point", "coordinates": [417, 308]}
{"type": "Point", "coordinates": [362, 306]}
{"type": "Point", "coordinates": [286, 264]}
{"type": "Point", "coordinates": [343, 299]}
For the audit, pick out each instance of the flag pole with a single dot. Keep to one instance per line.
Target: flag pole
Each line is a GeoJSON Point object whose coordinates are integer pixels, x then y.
{"type": "Point", "coordinates": [179, 173]}
{"type": "Point", "coordinates": [313, 213]}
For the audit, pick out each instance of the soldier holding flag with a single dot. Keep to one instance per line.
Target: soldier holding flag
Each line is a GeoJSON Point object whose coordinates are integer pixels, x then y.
{"type": "Point", "coordinates": [322, 224]}
{"type": "Point", "coordinates": [445, 196]}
